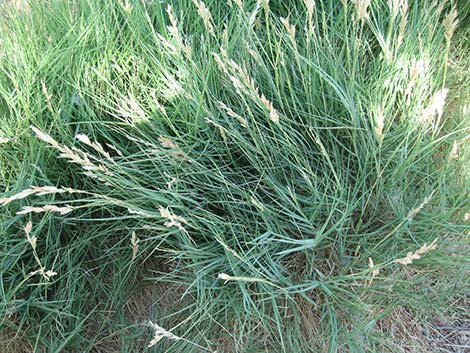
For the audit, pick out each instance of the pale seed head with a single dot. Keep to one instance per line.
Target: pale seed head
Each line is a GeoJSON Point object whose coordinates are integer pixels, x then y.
{"type": "Point", "coordinates": [450, 23]}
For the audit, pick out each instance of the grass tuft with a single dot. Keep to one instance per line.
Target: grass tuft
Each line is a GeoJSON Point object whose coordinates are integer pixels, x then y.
{"type": "Point", "coordinates": [253, 176]}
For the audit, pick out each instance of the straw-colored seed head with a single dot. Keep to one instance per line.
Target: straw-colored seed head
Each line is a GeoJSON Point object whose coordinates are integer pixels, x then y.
{"type": "Point", "coordinates": [172, 18]}
{"type": "Point", "coordinates": [450, 23]}
{"type": "Point", "coordinates": [253, 53]}
{"type": "Point", "coordinates": [408, 259]}
{"type": "Point", "coordinates": [48, 274]}
{"type": "Point", "coordinates": [95, 145]}
{"type": "Point", "coordinates": [159, 334]}
{"type": "Point", "coordinates": [231, 113]}
{"type": "Point", "coordinates": [44, 137]}
{"type": "Point", "coordinates": [171, 182]}
{"type": "Point", "coordinates": [218, 126]}
{"type": "Point", "coordinates": [437, 104]}
{"type": "Point", "coordinates": [403, 21]}
{"type": "Point", "coordinates": [396, 6]}
{"type": "Point", "coordinates": [418, 68]}
{"type": "Point", "coordinates": [361, 8]}
{"type": "Point", "coordinates": [167, 143]}
{"type": "Point", "coordinates": [115, 149]}
{"type": "Point", "coordinates": [310, 5]}
{"type": "Point", "coordinates": [46, 208]}
{"type": "Point", "coordinates": [265, 4]}
{"type": "Point", "coordinates": [126, 6]}
{"type": "Point", "coordinates": [418, 209]}
{"type": "Point", "coordinates": [220, 63]}
{"type": "Point", "coordinates": [371, 265]}
{"type": "Point", "coordinates": [256, 203]}
{"type": "Point", "coordinates": [134, 245]}
{"type": "Point", "coordinates": [138, 213]}
{"type": "Point", "coordinates": [32, 240]}
{"type": "Point", "coordinates": [28, 228]}
{"type": "Point", "coordinates": [239, 3]}
{"type": "Point", "coordinates": [224, 277]}
{"type": "Point", "coordinates": [76, 157]}
{"type": "Point", "coordinates": [425, 248]}
{"type": "Point", "coordinates": [379, 126]}
{"type": "Point", "coordinates": [206, 16]}
{"type": "Point", "coordinates": [290, 29]}
{"type": "Point", "coordinates": [455, 151]}
{"type": "Point", "coordinates": [273, 114]}
{"type": "Point", "coordinates": [172, 219]}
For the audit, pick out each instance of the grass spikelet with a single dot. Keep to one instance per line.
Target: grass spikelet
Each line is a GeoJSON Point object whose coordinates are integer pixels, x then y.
{"type": "Point", "coordinates": [38, 191]}
{"type": "Point", "coordinates": [418, 68]}
{"type": "Point", "coordinates": [115, 149]}
{"type": "Point", "coordinates": [410, 256]}
{"type": "Point", "coordinates": [408, 259]}
{"type": "Point", "coordinates": [67, 153]}
{"type": "Point", "coordinates": [231, 113]}
{"type": "Point", "coordinates": [45, 274]}
{"type": "Point", "coordinates": [253, 53]}
{"type": "Point", "coordinates": [206, 16]}
{"type": "Point", "coordinates": [221, 64]}
{"type": "Point", "coordinates": [135, 246]}
{"type": "Point", "coordinates": [376, 271]}
{"type": "Point", "coordinates": [138, 213]}
{"type": "Point", "coordinates": [362, 7]}
{"type": "Point", "coordinates": [436, 106]}
{"type": "Point", "coordinates": [169, 144]}
{"type": "Point", "coordinates": [159, 334]}
{"type": "Point", "coordinates": [227, 278]}
{"type": "Point", "coordinates": [290, 30]}
{"type": "Point", "coordinates": [126, 6]}
{"type": "Point", "coordinates": [45, 137]}
{"type": "Point", "coordinates": [47, 208]}
{"type": "Point", "coordinates": [418, 209]}
{"type": "Point", "coordinates": [171, 182]}
{"type": "Point", "coordinates": [239, 3]}
{"type": "Point", "coordinates": [172, 219]}
{"type": "Point", "coordinates": [175, 33]}
{"type": "Point", "coordinates": [32, 240]}
{"type": "Point", "coordinates": [257, 204]}
{"type": "Point", "coordinates": [403, 22]}
{"type": "Point", "coordinates": [310, 6]}
{"type": "Point", "coordinates": [273, 114]}
{"type": "Point", "coordinates": [221, 129]}
{"type": "Point", "coordinates": [379, 126]}
{"type": "Point", "coordinates": [397, 6]}
{"type": "Point", "coordinates": [450, 24]}
{"type": "Point", "coordinates": [265, 4]}
{"type": "Point", "coordinates": [95, 145]}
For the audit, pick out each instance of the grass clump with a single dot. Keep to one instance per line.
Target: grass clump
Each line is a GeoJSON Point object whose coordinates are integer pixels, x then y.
{"type": "Point", "coordinates": [236, 176]}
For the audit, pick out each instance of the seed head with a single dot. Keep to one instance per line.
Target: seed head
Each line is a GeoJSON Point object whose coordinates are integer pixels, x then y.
{"type": "Point", "coordinates": [450, 23]}
{"type": "Point", "coordinates": [361, 8]}
{"type": "Point", "coordinates": [206, 16]}
{"type": "Point", "coordinates": [290, 29]}
{"type": "Point", "coordinates": [159, 334]}
{"type": "Point", "coordinates": [371, 265]}
{"type": "Point", "coordinates": [273, 114]}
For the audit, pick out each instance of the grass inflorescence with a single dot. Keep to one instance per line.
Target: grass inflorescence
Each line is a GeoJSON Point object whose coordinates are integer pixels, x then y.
{"type": "Point", "coordinates": [232, 176]}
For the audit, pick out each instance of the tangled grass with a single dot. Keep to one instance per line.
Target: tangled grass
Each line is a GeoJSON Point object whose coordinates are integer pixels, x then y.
{"type": "Point", "coordinates": [240, 176]}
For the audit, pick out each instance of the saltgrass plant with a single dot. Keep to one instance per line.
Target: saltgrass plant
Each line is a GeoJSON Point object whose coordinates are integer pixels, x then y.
{"type": "Point", "coordinates": [283, 176]}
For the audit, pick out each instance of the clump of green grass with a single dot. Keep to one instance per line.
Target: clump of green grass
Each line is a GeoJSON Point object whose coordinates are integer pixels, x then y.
{"type": "Point", "coordinates": [288, 175]}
